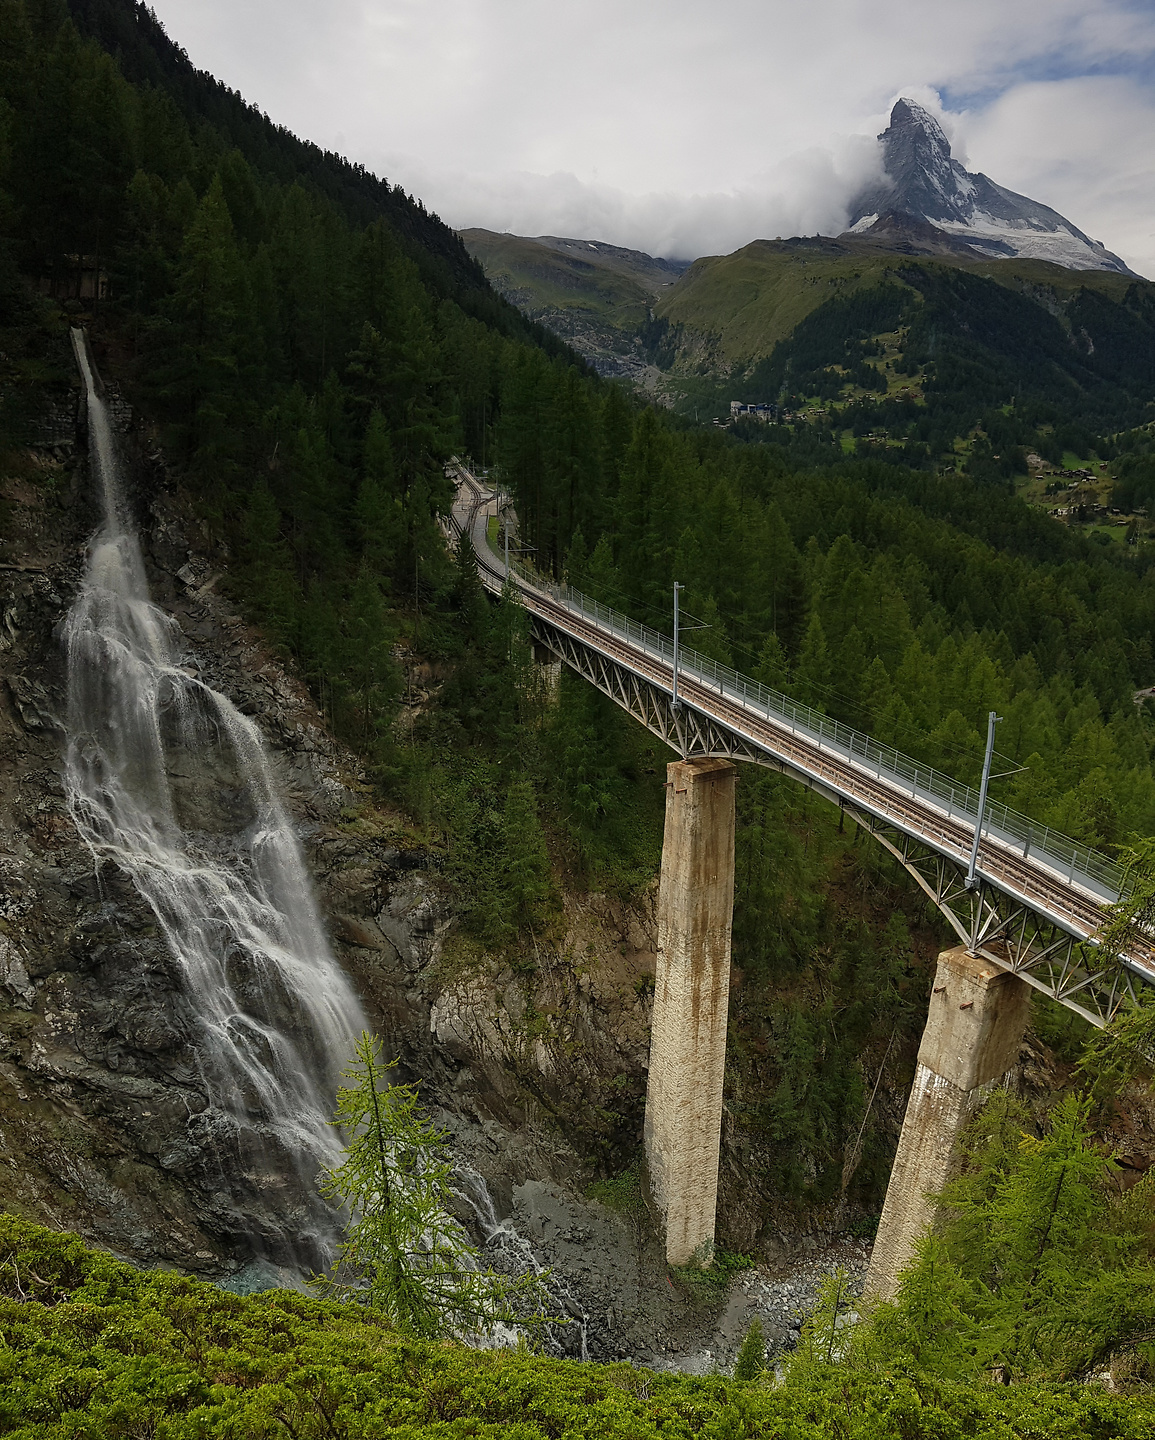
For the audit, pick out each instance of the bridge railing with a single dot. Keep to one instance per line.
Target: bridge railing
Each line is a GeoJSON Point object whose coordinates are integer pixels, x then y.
{"type": "Point", "coordinates": [1080, 864]}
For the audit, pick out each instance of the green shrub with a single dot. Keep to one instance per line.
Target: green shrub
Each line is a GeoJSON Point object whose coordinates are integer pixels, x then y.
{"type": "Point", "coordinates": [91, 1349]}
{"type": "Point", "coordinates": [751, 1359]}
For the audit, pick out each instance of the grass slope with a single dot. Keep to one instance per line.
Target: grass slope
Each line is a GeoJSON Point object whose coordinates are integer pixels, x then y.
{"type": "Point", "coordinates": [735, 308]}
{"type": "Point", "coordinates": [746, 302]}
{"type": "Point", "coordinates": [613, 286]}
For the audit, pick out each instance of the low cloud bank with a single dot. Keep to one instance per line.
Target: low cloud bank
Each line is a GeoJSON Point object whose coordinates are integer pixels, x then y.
{"type": "Point", "coordinates": [663, 127]}
{"type": "Point", "coordinates": [807, 194]}
{"type": "Point", "coordinates": [1079, 145]}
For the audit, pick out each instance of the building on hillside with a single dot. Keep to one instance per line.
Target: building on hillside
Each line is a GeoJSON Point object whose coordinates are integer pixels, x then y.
{"type": "Point", "coordinates": [762, 412]}
{"type": "Point", "coordinates": [78, 277]}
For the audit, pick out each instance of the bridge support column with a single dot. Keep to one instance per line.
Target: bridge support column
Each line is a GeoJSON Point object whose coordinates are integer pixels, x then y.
{"type": "Point", "coordinates": [691, 998]}
{"type": "Point", "coordinates": [974, 1028]}
{"type": "Point", "coordinates": [550, 670]}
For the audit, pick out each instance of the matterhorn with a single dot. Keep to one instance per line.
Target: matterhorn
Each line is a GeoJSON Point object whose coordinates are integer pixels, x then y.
{"type": "Point", "coordinates": [926, 193]}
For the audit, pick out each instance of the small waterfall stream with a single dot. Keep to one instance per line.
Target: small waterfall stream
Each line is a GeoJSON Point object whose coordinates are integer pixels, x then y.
{"type": "Point", "coordinates": [510, 1253]}
{"type": "Point", "coordinates": [167, 780]}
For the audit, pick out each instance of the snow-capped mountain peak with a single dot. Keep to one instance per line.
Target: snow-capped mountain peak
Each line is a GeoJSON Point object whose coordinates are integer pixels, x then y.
{"type": "Point", "coordinates": [925, 182]}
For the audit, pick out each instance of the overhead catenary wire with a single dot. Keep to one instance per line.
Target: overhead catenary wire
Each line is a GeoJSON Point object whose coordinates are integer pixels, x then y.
{"type": "Point", "coordinates": [830, 692]}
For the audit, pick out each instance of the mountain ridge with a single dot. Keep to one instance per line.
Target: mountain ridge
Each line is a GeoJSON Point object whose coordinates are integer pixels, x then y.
{"type": "Point", "coordinates": [132, 33]}
{"type": "Point", "coordinates": [594, 295]}
{"type": "Point", "coordinates": [748, 301]}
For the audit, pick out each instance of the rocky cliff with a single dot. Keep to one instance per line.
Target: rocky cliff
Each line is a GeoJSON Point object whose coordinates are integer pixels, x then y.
{"type": "Point", "coordinates": [98, 1097]}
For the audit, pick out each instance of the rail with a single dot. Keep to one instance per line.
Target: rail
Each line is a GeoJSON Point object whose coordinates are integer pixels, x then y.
{"type": "Point", "coordinates": [1070, 860]}
{"type": "Point", "coordinates": [1075, 862]}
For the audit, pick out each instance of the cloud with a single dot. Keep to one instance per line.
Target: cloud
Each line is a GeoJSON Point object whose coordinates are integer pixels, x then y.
{"type": "Point", "coordinates": [1084, 146]}
{"type": "Point", "coordinates": [666, 123]}
{"type": "Point", "coordinates": [805, 194]}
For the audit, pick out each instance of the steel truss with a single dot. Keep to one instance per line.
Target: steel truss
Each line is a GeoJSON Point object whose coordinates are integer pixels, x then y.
{"type": "Point", "coordinates": [1011, 934]}
{"type": "Point", "coordinates": [1000, 927]}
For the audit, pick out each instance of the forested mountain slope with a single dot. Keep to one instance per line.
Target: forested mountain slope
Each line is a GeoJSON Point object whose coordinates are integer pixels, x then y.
{"type": "Point", "coordinates": [737, 310]}
{"type": "Point", "coordinates": [146, 56]}
{"type": "Point", "coordinates": [597, 296]}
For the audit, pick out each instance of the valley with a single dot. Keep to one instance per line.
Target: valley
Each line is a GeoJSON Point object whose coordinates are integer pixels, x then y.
{"type": "Point", "coordinates": [284, 761]}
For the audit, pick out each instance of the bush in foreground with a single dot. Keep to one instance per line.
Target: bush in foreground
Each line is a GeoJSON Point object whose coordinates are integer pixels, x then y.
{"type": "Point", "coordinates": [91, 1349]}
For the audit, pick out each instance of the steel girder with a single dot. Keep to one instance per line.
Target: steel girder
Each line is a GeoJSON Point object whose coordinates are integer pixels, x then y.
{"type": "Point", "coordinates": [990, 923]}
{"type": "Point", "coordinates": [1011, 934]}
{"type": "Point", "coordinates": [687, 730]}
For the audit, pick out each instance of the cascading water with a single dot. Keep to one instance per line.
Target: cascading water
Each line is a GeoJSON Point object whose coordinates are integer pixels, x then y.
{"type": "Point", "coordinates": [169, 781]}
{"type": "Point", "coordinates": [512, 1254]}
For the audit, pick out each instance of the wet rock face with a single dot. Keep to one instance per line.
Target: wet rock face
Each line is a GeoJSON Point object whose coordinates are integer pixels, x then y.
{"type": "Point", "coordinates": [97, 1082]}
{"type": "Point", "coordinates": [565, 1039]}
{"type": "Point", "coordinates": [106, 1119]}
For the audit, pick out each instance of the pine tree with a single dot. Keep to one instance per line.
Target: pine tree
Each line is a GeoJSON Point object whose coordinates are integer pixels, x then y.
{"type": "Point", "coordinates": [751, 1359]}
{"type": "Point", "coordinates": [641, 484]}
{"type": "Point", "coordinates": [378, 512]}
{"type": "Point", "coordinates": [1115, 1055]}
{"type": "Point", "coordinates": [1038, 1272]}
{"type": "Point", "coordinates": [772, 669]}
{"type": "Point", "coordinates": [840, 589]}
{"type": "Point", "coordinates": [576, 740]}
{"type": "Point", "coordinates": [826, 1337]}
{"type": "Point", "coordinates": [710, 639]}
{"type": "Point", "coordinates": [199, 370]}
{"type": "Point", "coordinates": [930, 1324]}
{"type": "Point", "coordinates": [402, 1253]}
{"type": "Point", "coordinates": [468, 593]}
{"type": "Point", "coordinates": [270, 580]}
{"type": "Point", "coordinates": [850, 667]}
{"type": "Point", "coordinates": [603, 580]}
{"type": "Point", "coordinates": [368, 653]}
{"type": "Point", "coordinates": [577, 561]}
{"type": "Point", "coordinates": [527, 879]}
{"type": "Point", "coordinates": [812, 673]}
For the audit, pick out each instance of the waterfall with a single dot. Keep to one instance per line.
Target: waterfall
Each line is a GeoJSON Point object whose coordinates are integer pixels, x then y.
{"type": "Point", "coordinates": [168, 781]}
{"type": "Point", "coordinates": [511, 1253]}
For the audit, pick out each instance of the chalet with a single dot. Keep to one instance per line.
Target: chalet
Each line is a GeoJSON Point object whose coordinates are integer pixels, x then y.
{"type": "Point", "coordinates": [75, 277]}
{"type": "Point", "coordinates": [763, 412]}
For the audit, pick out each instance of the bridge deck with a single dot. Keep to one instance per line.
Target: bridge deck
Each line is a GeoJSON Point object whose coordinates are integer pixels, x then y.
{"type": "Point", "coordinates": [1072, 890]}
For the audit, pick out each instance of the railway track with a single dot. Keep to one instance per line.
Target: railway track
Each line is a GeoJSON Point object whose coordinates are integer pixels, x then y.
{"type": "Point", "coordinates": [1069, 906]}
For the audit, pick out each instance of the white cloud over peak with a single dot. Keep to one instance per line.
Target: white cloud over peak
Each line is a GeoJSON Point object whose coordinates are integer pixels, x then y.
{"type": "Point", "coordinates": [681, 128]}
{"type": "Point", "coordinates": [805, 194]}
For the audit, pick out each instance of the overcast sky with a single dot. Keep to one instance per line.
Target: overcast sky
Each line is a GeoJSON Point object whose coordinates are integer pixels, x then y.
{"type": "Point", "coordinates": [684, 128]}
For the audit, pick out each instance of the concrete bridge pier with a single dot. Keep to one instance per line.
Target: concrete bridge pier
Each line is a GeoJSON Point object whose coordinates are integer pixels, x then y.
{"type": "Point", "coordinates": [691, 998]}
{"type": "Point", "coordinates": [974, 1029]}
{"type": "Point", "coordinates": [550, 667]}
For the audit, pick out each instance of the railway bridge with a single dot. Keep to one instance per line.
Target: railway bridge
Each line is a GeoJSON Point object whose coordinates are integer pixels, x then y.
{"type": "Point", "coordinates": [1026, 904]}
